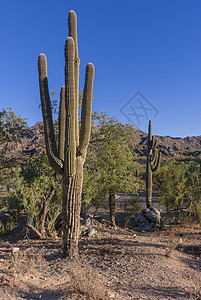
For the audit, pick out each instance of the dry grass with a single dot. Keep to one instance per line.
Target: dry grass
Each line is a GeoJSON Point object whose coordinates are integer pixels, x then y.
{"type": "Point", "coordinates": [171, 245]}
{"type": "Point", "coordinates": [178, 230]}
{"type": "Point", "coordinates": [25, 261]}
{"type": "Point", "coordinates": [85, 283]}
{"type": "Point", "coordinates": [195, 292]}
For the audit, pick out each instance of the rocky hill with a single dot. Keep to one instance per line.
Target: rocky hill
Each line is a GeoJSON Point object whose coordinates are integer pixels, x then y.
{"type": "Point", "coordinates": [180, 148]}
{"type": "Point", "coordinates": [188, 147]}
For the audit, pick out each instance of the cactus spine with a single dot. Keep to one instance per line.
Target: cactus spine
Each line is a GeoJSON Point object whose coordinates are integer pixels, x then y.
{"type": "Point", "coordinates": [153, 163]}
{"type": "Point", "coordinates": [69, 155]}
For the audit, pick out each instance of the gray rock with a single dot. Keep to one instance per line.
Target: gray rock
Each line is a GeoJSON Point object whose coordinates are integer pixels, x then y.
{"type": "Point", "coordinates": [86, 221]}
{"type": "Point", "coordinates": [91, 232]}
{"type": "Point", "coordinates": [148, 227]}
{"type": "Point", "coordinates": [165, 226]}
{"type": "Point", "coordinates": [137, 228]}
{"type": "Point", "coordinates": [152, 217]}
{"type": "Point", "coordinates": [144, 227]}
{"type": "Point", "coordinates": [140, 219]}
{"type": "Point", "coordinates": [157, 212]}
{"type": "Point", "coordinates": [144, 211]}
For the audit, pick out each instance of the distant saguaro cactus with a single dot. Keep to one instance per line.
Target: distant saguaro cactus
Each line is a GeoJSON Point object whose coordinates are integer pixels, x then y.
{"type": "Point", "coordinates": [69, 155]}
{"type": "Point", "coordinates": [153, 163]}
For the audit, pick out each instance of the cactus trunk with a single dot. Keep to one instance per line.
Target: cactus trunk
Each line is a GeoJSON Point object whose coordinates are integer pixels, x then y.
{"type": "Point", "coordinates": [153, 163]}
{"type": "Point", "coordinates": [69, 155]}
{"type": "Point", "coordinates": [72, 190]}
{"type": "Point", "coordinates": [112, 202]}
{"type": "Point", "coordinates": [148, 183]}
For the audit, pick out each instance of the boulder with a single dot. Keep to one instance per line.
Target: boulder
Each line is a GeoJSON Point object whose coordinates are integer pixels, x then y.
{"type": "Point", "coordinates": [86, 221]}
{"type": "Point", "coordinates": [153, 216]}
{"type": "Point", "coordinates": [139, 219]}
{"type": "Point", "coordinates": [144, 211]}
{"type": "Point", "coordinates": [147, 220]}
{"type": "Point", "coordinates": [90, 232]}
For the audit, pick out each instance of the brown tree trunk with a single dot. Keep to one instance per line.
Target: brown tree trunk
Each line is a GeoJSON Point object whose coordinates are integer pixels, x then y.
{"type": "Point", "coordinates": [44, 211]}
{"type": "Point", "coordinates": [112, 207]}
{"type": "Point", "coordinates": [72, 190]}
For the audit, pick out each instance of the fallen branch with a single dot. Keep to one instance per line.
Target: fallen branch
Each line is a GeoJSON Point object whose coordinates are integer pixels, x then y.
{"type": "Point", "coordinates": [41, 236]}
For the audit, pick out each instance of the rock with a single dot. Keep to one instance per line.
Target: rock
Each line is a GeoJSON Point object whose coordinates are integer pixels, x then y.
{"type": "Point", "coordinates": [157, 212]}
{"type": "Point", "coordinates": [144, 227]}
{"type": "Point", "coordinates": [90, 232]}
{"type": "Point", "coordinates": [111, 295]}
{"type": "Point", "coordinates": [152, 216]}
{"type": "Point", "coordinates": [86, 221]}
{"type": "Point", "coordinates": [6, 280]}
{"type": "Point", "coordinates": [147, 220]}
{"type": "Point", "coordinates": [180, 241]}
{"type": "Point", "coordinates": [165, 226]}
{"type": "Point", "coordinates": [15, 250]}
{"type": "Point", "coordinates": [140, 219]}
{"type": "Point", "coordinates": [148, 227]}
{"type": "Point", "coordinates": [144, 211]}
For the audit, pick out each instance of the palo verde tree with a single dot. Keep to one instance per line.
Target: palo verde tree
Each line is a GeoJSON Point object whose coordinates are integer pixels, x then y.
{"type": "Point", "coordinates": [36, 191]}
{"type": "Point", "coordinates": [110, 165]}
{"type": "Point", "coordinates": [179, 185]}
{"type": "Point", "coordinates": [69, 155]}
{"type": "Point", "coordinates": [13, 129]}
{"type": "Point", "coordinates": [153, 163]}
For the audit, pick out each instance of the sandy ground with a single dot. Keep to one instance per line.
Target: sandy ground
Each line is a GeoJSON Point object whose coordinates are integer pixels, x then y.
{"type": "Point", "coordinates": [113, 264]}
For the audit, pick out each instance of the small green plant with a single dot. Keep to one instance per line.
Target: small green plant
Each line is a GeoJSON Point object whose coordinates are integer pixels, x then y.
{"type": "Point", "coordinates": [2, 229]}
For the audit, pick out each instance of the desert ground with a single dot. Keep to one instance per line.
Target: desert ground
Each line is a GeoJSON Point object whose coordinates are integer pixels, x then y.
{"type": "Point", "coordinates": [114, 263]}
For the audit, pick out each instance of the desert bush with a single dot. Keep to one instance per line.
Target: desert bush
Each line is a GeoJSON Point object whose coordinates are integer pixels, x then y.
{"type": "Point", "coordinates": [86, 283]}
{"type": "Point", "coordinates": [25, 261]}
{"type": "Point", "coordinates": [110, 165]}
{"type": "Point", "coordinates": [35, 191]}
{"type": "Point", "coordinates": [179, 185]}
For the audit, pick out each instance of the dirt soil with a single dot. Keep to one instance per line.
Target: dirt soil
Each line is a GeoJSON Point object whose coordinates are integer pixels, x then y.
{"type": "Point", "coordinates": [113, 264]}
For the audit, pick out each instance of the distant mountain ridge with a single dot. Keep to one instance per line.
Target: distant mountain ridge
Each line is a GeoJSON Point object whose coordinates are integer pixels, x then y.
{"type": "Point", "coordinates": [189, 147]}
{"type": "Point", "coordinates": [173, 146]}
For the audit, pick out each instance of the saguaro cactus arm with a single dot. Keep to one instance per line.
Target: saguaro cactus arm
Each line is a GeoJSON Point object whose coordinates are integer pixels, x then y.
{"type": "Point", "coordinates": [51, 146]}
{"type": "Point", "coordinates": [62, 123]}
{"type": "Point", "coordinates": [72, 25]}
{"type": "Point", "coordinates": [70, 144]}
{"type": "Point", "coordinates": [86, 110]}
{"type": "Point", "coordinates": [157, 162]}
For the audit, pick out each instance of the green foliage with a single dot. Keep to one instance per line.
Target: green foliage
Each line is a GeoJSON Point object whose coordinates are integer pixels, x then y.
{"type": "Point", "coordinates": [110, 164]}
{"type": "Point", "coordinates": [11, 126]}
{"type": "Point", "coordinates": [12, 130]}
{"type": "Point", "coordinates": [32, 187]}
{"type": "Point", "coordinates": [171, 181]}
{"type": "Point", "coordinates": [179, 184]}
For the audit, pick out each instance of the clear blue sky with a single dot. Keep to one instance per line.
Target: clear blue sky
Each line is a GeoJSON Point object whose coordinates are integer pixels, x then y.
{"type": "Point", "coordinates": [147, 46]}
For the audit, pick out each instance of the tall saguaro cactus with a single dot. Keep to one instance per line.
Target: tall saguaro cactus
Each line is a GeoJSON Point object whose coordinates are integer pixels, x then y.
{"type": "Point", "coordinates": [153, 163]}
{"type": "Point", "coordinates": [69, 155]}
